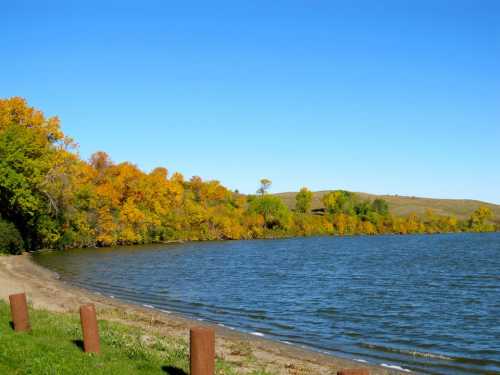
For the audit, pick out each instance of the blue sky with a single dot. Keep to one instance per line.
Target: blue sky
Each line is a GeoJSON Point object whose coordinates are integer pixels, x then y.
{"type": "Point", "coordinates": [398, 97]}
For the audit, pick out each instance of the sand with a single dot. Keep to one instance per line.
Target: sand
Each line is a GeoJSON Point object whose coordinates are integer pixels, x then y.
{"type": "Point", "coordinates": [46, 291]}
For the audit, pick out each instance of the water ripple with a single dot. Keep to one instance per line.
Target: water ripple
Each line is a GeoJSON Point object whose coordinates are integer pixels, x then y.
{"type": "Point", "coordinates": [425, 303]}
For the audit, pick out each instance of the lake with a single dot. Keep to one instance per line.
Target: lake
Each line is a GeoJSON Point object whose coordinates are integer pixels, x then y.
{"type": "Point", "coordinates": [428, 303]}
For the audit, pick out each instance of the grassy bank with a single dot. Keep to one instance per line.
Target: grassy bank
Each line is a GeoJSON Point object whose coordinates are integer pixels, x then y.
{"type": "Point", "coordinates": [54, 347]}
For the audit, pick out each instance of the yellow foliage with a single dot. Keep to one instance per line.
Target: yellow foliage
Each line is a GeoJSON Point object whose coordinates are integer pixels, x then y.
{"type": "Point", "coordinates": [79, 203]}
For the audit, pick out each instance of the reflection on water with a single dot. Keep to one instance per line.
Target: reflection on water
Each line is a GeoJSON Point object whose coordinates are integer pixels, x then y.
{"type": "Point", "coordinates": [426, 303]}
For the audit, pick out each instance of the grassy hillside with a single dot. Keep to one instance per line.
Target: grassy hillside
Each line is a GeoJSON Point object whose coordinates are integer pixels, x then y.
{"type": "Point", "coordinates": [402, 206]}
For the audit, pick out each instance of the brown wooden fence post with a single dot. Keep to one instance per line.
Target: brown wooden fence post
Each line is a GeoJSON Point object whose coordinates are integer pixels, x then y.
{"type": "Point", "coordinates": [19, 312]}
{"type": "Point", "coordinates": [202, 351]}
{"type": "Point", "coordinates": [354, 371]}
{"type": "Point", "coordinates": [89, 329]}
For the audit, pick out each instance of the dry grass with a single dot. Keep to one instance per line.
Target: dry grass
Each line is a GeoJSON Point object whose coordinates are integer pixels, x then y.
{"type": "Point", "coordinates": [402, 206]}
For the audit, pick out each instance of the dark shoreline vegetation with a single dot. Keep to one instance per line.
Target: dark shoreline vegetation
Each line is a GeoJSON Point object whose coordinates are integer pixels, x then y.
{"type": "Point", "coordinates": [51, 198]}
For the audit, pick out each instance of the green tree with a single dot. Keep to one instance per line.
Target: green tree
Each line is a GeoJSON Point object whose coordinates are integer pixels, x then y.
{"type": "Point", "coordinates": [272, 209]}
{"type": "Point", "coordinates": [303, 200]}
{"type": "Point", "coordinates": [363, 209]}
{"type": "Point", "coordinates": [339, 201]}
{"type": "Point", "coordinates": [380, 206]}
{"type": "Point", "coordinates": [33, 152]}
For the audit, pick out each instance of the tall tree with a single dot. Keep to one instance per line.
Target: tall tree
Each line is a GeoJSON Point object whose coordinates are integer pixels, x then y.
{"type": "Point", "coordinates": [303, 200]}
{"type": "Point", "coordinates": [33, 154]}
{"type": "Point", "coordinates": [265, 184]}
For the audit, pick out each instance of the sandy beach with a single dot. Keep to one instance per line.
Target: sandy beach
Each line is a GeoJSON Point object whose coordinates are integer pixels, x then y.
{"type": "Point", "coordinates": [46, 291]}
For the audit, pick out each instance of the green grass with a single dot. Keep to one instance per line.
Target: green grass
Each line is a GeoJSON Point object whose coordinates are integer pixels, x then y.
{"type": "Point", "coordinates": [52, 347]}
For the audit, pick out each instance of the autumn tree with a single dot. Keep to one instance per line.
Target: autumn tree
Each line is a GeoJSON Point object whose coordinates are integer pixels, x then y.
{"type": "Point", "coordinates": [50, 197]}
{"type": "Point", "coordinates": [339, 201]}
{"type": "Point", "coordinates": [100, 161]}
{"type": "Point", "coordinates": [478, 221]}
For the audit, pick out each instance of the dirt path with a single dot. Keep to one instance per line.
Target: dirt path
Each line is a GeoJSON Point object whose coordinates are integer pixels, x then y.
{"type": "Point", "coordinates": [45, 291]}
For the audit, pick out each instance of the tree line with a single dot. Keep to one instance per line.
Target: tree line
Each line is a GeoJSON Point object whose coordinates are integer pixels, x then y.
{"type": "Point", "coordinates": [51, 198]}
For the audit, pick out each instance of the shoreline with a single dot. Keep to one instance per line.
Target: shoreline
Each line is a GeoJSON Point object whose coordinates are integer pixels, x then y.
{"type": "Point", "coordinates": [45, 291]}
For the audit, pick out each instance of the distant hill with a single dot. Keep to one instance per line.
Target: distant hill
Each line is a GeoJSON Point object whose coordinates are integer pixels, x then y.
{"type": "Point", "coordinates": [402, 205]}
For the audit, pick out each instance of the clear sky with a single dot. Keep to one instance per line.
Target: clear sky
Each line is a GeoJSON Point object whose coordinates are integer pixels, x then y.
{"type": "Point", "coordinates": [398, 97]}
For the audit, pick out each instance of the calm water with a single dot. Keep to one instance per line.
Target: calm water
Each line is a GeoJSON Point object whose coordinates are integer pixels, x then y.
{"type": "Point", "coordinates": [426, 303]}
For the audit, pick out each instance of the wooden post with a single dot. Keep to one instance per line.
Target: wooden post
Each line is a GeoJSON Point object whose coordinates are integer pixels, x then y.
{"type": "Point", "coordinates": [89, 329]}
{"type": "Point", "coordinates": [19, 312]}
{"type": "Point", "coordinates": [354, 371]}
{"type": "Point", "coordinates": [202, 351]}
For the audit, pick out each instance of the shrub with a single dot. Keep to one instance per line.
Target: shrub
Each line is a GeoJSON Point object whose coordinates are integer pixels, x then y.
{"type": "Point", "coordinates": [11, 241]}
